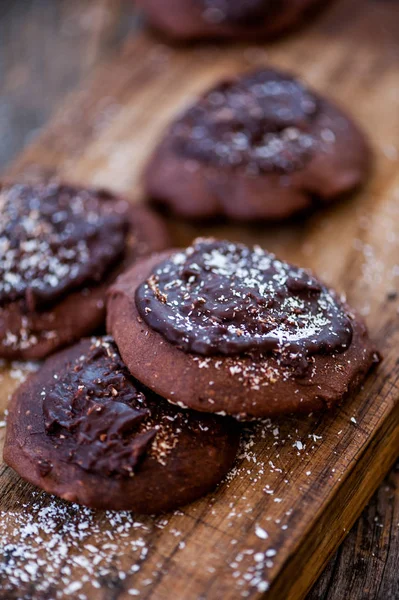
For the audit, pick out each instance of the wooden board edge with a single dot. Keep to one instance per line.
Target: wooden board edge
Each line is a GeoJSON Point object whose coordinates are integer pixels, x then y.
{"type": "Point", "coordinates": [296, 578]}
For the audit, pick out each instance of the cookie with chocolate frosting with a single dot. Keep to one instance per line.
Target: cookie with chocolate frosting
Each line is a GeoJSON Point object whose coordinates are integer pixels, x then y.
{"type": "Point", "coordinates": [226, 328]}
{"type": "Point", "coordinates": [228, 19]}
{"type": "Point", "coordinates": [82, 425]}
{"type": "Point", "coordinates": [61, 247]}
{"type": "Point", "coordinates": [260, 146]}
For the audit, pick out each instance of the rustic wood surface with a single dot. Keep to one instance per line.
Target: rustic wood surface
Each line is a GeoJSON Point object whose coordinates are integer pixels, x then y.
{"type": "Point", "coordinates": [47, 47]}
{"type": "Point", "coordinates": [103, 135]}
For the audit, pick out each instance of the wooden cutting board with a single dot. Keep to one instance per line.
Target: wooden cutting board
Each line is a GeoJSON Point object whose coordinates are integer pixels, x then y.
{"type": "Point", "coordinates": [299, 483]}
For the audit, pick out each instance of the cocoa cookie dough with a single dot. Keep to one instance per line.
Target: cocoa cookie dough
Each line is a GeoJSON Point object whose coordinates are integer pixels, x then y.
{"type": "Point", "coordinates": [229, 19]}
{"type": "Point", "coordinates": [61, 247]}
{"type": "Point", "coordinates": [83, 429]}
{"type": "Point", "coordinates": [260, 146]}
{"type": "Point", "coordinates": [226, 328]}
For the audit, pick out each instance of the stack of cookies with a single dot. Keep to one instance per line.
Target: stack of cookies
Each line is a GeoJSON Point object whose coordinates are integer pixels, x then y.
{"type": "Point", "coordinates": [197, 340]}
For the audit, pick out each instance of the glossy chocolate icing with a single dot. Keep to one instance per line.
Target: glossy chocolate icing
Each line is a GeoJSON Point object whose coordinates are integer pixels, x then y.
{"type": "Point", "coordinates": [55, 239]}
{"type": "Point", "coordinates": [218, 297]}
{"type": "Point", "coordinates": [95, 415]}
{"type": "Point", "coordinates": [261, 121]}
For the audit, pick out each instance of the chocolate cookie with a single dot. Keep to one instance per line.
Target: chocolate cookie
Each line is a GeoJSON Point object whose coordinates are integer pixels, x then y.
{"type": "Point", "coordinates": [61, 247]}
{"type": "Point", "coordinates": [234, 19]}
{"type": "Point", "coordinates": [82, 424]}
{"type": "Point", "coordinates": [261, 146]}
{"type": "Point", "coordinates": [222, 327]}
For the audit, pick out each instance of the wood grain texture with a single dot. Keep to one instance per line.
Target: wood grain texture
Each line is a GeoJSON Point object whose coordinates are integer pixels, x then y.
{"type": "Point", "coordinates": [103, 136]}
{"type": "Point", "coordinates": [47, 48]}
{"type": "Point", "coordinates": [366, 564]}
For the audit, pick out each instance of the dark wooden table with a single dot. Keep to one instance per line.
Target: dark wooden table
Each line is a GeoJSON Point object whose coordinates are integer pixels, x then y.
{"type": "Point", "coordinates": [47, 47]}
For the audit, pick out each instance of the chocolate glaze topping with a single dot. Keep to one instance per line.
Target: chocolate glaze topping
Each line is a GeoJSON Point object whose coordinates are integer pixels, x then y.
{"type": "Point", "coordinates": [261, 121]}
{"type": "Point", "coordinates": [241, 12]}
{"type": "Point", "coordinates": [55, 239]}
{"type": "Point", "coordinates": [218, 297]}
{"type": "Point", "coordinates": [96, 416]}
